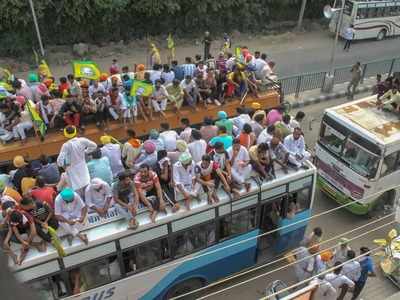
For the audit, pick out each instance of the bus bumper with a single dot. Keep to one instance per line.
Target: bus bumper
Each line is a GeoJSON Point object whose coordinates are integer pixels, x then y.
{"type": "Point", "coordinates": [355, 208]}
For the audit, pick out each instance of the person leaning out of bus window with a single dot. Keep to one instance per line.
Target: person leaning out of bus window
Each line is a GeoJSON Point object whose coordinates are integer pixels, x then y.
{"type": "Point", "coordinates": [20, 223]}
{"type": "Point", "coordinates": [390, 100]}
{"type": "Point", "coordinates": [71, 211]}
{"type": "Point", "coordinates": [184, 177]}
{"type": "Point", "coordinates": [125, 197]}
{"type": "Point", "coordinates": [147, 184]}
{"type": "Point", "coordinates": [98, 196]}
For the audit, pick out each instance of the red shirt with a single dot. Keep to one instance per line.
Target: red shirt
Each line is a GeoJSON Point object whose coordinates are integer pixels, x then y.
{"type": "Point", "coordinates": [146, 183]}
{"type": "Point", "coordinates": [44, 194]}
{"type": "Point", "coordinates": [63, 87]}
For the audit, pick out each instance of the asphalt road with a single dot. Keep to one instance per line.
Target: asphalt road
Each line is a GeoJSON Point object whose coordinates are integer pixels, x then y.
{"type": "Point", "coordinates": [311, 51]}
{"type": "Point", "coordinates": [293, 53]}
{"type": "Point", "coordinates": [333, 224]}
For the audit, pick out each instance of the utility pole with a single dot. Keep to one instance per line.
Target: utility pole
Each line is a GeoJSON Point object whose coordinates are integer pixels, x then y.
{"type": "Point", "coordinates": [301, 14]}
{"type": "Point", "coordinates": [37, 28]}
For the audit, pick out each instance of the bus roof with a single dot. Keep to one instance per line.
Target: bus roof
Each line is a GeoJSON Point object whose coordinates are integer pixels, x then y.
{"type": "Point", "coordinates": [379, 125]}
{"type": "Point", "coordinates": [116, 228]}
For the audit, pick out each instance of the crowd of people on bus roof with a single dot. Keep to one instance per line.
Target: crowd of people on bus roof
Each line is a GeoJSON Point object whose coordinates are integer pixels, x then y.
{"type": "Point", "coordinates": [76, 101]}
{"type": "Point", "coordinates": [159, 171]}
{"type": "Point", "coordinates": [388, 93]}
{"type": "Point", "coordinates": [349, 273]}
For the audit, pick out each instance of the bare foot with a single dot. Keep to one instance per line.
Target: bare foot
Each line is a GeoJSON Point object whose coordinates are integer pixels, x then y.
{"type": "Point", "coordinates": [247, 186]}
{"type": "Point", "coordinates": [83, 237]}
{"type": "Point", "coordinates": [153, 216]}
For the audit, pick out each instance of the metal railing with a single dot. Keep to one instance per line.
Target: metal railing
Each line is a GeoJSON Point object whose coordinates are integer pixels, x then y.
{"type": "Point", "coordinates": [309, 81]}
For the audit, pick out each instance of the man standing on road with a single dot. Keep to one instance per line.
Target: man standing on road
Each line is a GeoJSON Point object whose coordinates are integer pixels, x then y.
{"type": "Point", "coordinates": [367, 269]}
{"type": "Point", "coordinates": [349, 36]}
{"type": "Point", "coordinates": [355, 80]}
{"type": "Point", "coordinates": [207, 45]}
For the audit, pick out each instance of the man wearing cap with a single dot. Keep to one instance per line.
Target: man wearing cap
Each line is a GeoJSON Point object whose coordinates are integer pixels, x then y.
{"type": "Point", "coordinates": [184, 177]}
{"type": "Point", "coordinates": [23, 171]}
{"type": "Point", "coordinates": [98, 196]}
{"type": "Point", "coordinates": [70, 211]}
{"type": "Point", "coordinates": [224, 121]}
{"type": "Point", "coordinates": [72, 158]}
{"type": "Point", "coordinates": [113, 152]}
{"type": "Point", "coordinates": [148, 155]}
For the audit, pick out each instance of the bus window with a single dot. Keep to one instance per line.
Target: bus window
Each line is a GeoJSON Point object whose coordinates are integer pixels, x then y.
{"type": "Point", "coordinates": [391, 163]}
{"type": "Point", "coordinates": [362, 13]}
{"type": "Point", "coordinates": [193, 239]}
{"type": "Point", "coordinates": [372, 11]}
{"type": "Point", "coordinates": [298, 202]}
{"type": "Point", "coordinates": [380, 12]}
{"type": "Point", "coordinates": [43, 288]}
{"type": "Point", "coordinates": [146, 255]}
{"type": "Point", "coordinates": [360, 160]}
{"type": "Point", "coordinates": [331, 138]}
{"type": "Point", "coordinates": [100, 272]}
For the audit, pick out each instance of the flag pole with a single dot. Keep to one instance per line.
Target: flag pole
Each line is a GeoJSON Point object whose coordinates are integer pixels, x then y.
{"type": "Point", "coordinates": [37, 28]}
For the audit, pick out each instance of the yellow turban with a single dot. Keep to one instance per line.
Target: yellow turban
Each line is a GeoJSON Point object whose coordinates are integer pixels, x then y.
{"type": "Point", "coordinates": [105, 139]}
{"type": "Point", "coordinates": [72, 134]}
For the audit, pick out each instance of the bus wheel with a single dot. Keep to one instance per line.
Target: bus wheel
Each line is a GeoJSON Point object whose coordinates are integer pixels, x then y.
{"type": "Point", "coordinates": [185, 287]}
{"type": "Point", "coordinates": [381, 35]}
{"type": "Point", "coordinates": [385, 202]}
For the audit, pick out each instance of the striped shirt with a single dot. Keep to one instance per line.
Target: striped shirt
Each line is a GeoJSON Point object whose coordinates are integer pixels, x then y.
{"type": "Point", "coordinates": [188, 69]}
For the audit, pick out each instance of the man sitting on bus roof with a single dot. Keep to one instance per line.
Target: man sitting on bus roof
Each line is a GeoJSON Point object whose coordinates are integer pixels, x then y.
{"type": "Point", "coordinates": [185, 179]}
{"type": "Point", "coordinates": [296, 147]}
{"type": "Point", "coordinates": [147, 184]}
{"type": "Point", "coordinates": [124, 197]}
{"type": "Point", "coordinates": [98, 196]}
{"type": "Point", "coordinates": [70, 211]}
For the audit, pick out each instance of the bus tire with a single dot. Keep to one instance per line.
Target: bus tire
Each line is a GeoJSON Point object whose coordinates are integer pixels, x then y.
{"type": "Point", "coordinates": [381, 35]}
{"type": "Point", "coordinates": [385, 200]}
{"type": "Point", "coordinates": [185, 287]}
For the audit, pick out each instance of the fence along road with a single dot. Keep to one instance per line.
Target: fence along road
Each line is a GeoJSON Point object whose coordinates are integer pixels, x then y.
{"type": "Point", "coordinates": [297, 84]}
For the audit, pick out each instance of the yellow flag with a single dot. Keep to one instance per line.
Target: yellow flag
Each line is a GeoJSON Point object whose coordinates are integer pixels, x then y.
{"type": "Point", "coordinates": [86, 69]}
{"type": "Point", "coordinates": [171, 42]}
{"type": "Point", "coordinates": [44, 70]}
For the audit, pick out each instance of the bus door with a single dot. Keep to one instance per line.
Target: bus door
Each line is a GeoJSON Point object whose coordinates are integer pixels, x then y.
{"type": "Point", "coordinates": [270, 214]}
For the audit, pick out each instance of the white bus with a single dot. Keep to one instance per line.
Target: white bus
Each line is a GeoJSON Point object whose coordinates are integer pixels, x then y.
{"type": "Point", "coordinates": [358, 155]}
{"type": "Point", "coordinates": [371, 19]}
{"type": "Point", "coordinates": [182, 251]}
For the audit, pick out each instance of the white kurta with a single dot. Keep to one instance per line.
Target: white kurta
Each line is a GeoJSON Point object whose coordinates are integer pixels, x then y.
{"type": "Point", "coordinates": [296, 147]}
{"type": "Point", "coordinates": [72, 159]}
{"type": "Point", "coordinates": [70, 211]}
{"type": "Point", "coordinates": [241, 168]}
{"type": "Point", "coordinates": [113, 152]}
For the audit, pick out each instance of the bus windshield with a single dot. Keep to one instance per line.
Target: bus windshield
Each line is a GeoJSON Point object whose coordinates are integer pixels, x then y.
{"type": "Point", "coordinates": [357, 153]}
{"type": "Point", "coordinates": [360, 160]}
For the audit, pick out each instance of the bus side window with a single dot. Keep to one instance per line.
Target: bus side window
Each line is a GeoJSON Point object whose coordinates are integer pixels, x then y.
{"type": "Point", "coordinates": [198, 237]}
{"type": "Point", "coordinates": [362, 13]}
{"type": "Point", "coordinates": [146, 255]}
{"type": "Point", "coordinates": [299, 201]}
{"type": "Point", "coordinates": [372, 12]}
{"type": "Point", "coordinates": [44, 289]}
{"type": "Point", "coordinates": [391, 163]}
{"type": "Point", "coordinates": [97, 273]}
